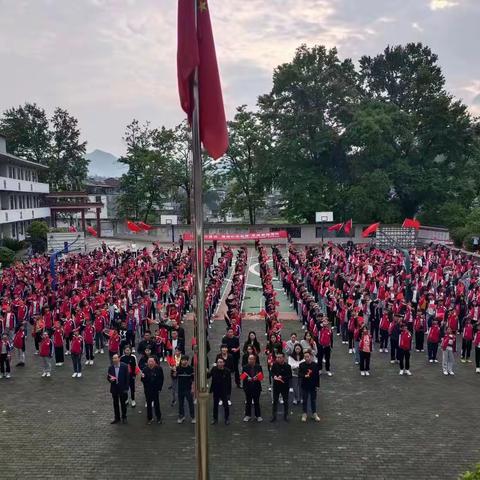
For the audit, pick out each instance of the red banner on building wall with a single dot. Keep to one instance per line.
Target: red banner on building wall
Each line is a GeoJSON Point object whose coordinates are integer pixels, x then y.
{"type": "Point", "coordinates": [188, 236]}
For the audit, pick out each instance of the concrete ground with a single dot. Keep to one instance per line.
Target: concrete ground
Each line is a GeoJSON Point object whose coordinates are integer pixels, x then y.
{"type": "Point", "coordinates": [379, 427]}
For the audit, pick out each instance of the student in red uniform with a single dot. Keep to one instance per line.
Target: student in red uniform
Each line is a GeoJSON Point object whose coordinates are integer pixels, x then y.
{"type": "Point", "coordinates": [419, 327]}
{"type": "Point", "coordinates": [58, 345]}
{"type": "Point", "coordinates": [88, 339]}
{"type": "Point", "coordinates": [384, 324]}
{"type": "Point", "coordinates": [476, 343]}
{"type": "Point", "coordinates": [325, 343]}
{"type": "Point", "coordinates": [433, 339]}
{"type": "Point", "coordinates": [76, 350]}
{"type": "Point", "coordinates": [114, 343]}
{"type": "Point", "coordinates": [5, 356]}
{"type": "Point", "coordinates": [404, 347]}
{"type": "Point", "coordinates": [99, 325]}
{"type": "Point", "coordinates": [19, 345]}
{"type": "Point", "coordinates": [365, 346]}
{"type": "Point", "coordinates": [467, 339]}
{"type": "Point", "coordinates": [45, 351]}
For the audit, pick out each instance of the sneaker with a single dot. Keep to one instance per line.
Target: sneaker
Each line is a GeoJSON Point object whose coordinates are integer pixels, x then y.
{"type": "Point", "coordinates": [181, 419]}
{"type": "Point", "coordinates": [477, 370]}
{"type": "Point", "coordinates": [281, 401]}
{"type": "Point", "coordinates": [79, 375]}
{"type": "Point", "coordinates": [451, 373]}
{"type": "Point", "coordinates": [1, 375]}
{"type": "Point", "coordinates": [294, 402]}
{"type": "Point", "coordinates": [87, 362]}
{"type": "Point", "coordinates": [431, 361]}
{"type": "Point", "coordinates": [400, 372]}
{"type": "Point", "coordinates": [193, 420]}
{"type": "Point", "coordinates": [350, 350]}
{"type": "Point", "coordinates": [392, 361]}
{"type": "Point", "coordinates": [304, 417]}
{"type": "Point", "coordinates": [36, 352]}
{"type": "Point", "coordinates": [269, 389]}
{"type": "Point", "coordinates": [417, 350]}
{"type": "Point", "coordinates": [316, 417]}
{"type": "Point", "coordinates": [7, 375]}
{"type": "Point", "coordinates": [134, 404]}
{"type": "Point", "coordinates": [48, 374]}
{"type": "Point", "coordinates": [66, 353]}
{"type": "Point", "coordinates": [101, 351]}
{"type": "Point", "coordinates": [356, 363]}
{"type": "Point", "coordinates": [469, 361]}
{"type": "Point", "coordinates": [320, 372]}
{"type": "Point", "coordinates": [91, 362]}
{"type": "Point", "coordinates": [97, 351]}
{"type": "Point", "coordinates": [381, 350]}
{"type": "Point", "coordinates": [229, 403]}
{"type": "Point", "coordinates": [246, 418]}
{"type": "Point", "coordinates": [74, 374]}
{"type": "Point", "coordinates": [435, 361]}
{"type": "Point", "coordinates": [367, 374]}
{"type": "Point", "coordinates": [362, 373]}
{"type": "Point", "coordinates": [259, 419]}
{"type": "Point", "coordinates": [463, 360]}
{"type": "Point", "coordinates": [385, 350]}
{"type": "Point", "coordinates": [329, 374]}
{"type": "Point", "coordinates": [133, 350]}
{"type": "Point", "coordinates": [408, 372]}
{"type": "Point", "coordinates": [445, 372]}
{"type": "Point", "coordinates": [57, 364]}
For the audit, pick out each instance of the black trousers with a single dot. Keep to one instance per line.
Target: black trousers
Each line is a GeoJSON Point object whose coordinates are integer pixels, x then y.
{"type": "Point", "coordinates": [216, 399]}
{"type": "Point", "coordinates": [324, 352]}
{"type": "Point", "coordinates": [153, 398]}
{"type": "Point", "coordinates": [477, 357]}
{"type": "Point", "coordinates": [182, 396]}
{"type": "Point", "coordinates": [419, 340]}
{"type": "Point", "coordinates": [404, 359]}
{"type": "Point", "coordinates": [130, 337]}
{"type": "Point", "coordinates": [394, 350]}
{"type": "Point", "coordinates": [383, 338]}
{"type": "Point", "coordinates": [120, 402]}
{"type": "Point", "coordinates": [89, 351]}
{"type": "Point", "coordinates": [432, 350]}
{"type": "Point", "coordinates": [365, 361]}
{"type": "Point", "coordinates": [132, 387]}
{"type": "Point", "coordinates": [374, 329]}
{"type": "Point", "coordinates": [277, 391]}
{"type": "Point", "coordinates": [313, 400]}
{"type": "Point", "coordinates": [252, 395]}
{"type": "Point", "coordinates": [235, 370]}
{"type": "Point", "coordinates": [4, 363]}
{"type": "Point", "coordinates": [59, 355]}
{"type": "Point", "coordinates": [466, 348]}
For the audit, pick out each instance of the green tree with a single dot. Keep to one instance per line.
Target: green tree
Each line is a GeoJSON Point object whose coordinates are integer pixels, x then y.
{"type": "Point", "coordinates": [68, 165]}
{"type": "Point", "coordinates": [245, 167]}
{"type": "Point", "coordinates": [306, 113]}
{"type": "Point", "coordinates": [27, 131]}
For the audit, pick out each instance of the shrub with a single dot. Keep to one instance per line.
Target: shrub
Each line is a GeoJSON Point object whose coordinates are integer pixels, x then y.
{"type": "Point", "coordinates": [13, 244]}
{"type": "Point", "coordinates": [6, 256]}
{"type": "Point", "coordinates": [471, 475]}
{"type": "Point", "coordinates": [38, 229]}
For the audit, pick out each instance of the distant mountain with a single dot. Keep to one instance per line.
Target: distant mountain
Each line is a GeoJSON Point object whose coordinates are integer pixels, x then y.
{"type": "Point", "coordinates": [104, 164]}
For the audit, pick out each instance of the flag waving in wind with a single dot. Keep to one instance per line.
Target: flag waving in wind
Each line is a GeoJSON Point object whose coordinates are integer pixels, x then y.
{"type": "Point", "coordinates": [348, 227]}
{"type": "Point", "coordinates": [196, 50]}
{"type": "Point", "coordinates": [411, 223]}
{"type": "Point", "coordinates": [335, 228]}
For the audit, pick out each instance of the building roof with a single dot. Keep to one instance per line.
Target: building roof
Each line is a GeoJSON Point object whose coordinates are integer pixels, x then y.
{"type": "Point", "coordinates": [7, 157]}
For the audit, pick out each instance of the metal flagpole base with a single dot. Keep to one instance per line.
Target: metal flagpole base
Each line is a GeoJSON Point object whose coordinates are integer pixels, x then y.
{"type": "Point", "coordinates": [202, 436]}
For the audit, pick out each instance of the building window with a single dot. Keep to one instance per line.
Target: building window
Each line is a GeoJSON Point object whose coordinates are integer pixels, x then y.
{"type": "Point", "coordinates": [21, 228]}
{"type": "Point", "coordinates": [14, 234]}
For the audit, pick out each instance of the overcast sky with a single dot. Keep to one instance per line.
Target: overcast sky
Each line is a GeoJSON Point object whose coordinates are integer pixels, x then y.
{"type": "Point", "coordinates": [109, 61]}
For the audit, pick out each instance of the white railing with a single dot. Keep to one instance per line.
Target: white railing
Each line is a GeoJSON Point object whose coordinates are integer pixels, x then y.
{"type": "Point", "coordinates": [18, 215]}
{"type": "Point", "coordinates": [13, 185]}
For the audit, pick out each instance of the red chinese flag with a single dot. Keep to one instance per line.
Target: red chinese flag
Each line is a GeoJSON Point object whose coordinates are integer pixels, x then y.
{"type": "Point", "coordinates": [411, 223]}
{"type": "Point", "coordinates": [144, 226]}
{"type": "Point", "coordinates": [91, 231]}
{"type": "Point", "coordinates": [348, 227]}
{"type": "Point", "coordinates": [133, 227]}
{"type": "Point", "coordinates": [196, 49]}
{"type": "Point", "coordinates": [335, 228]}
{"type": "Point", "coordinates": [370, 229]}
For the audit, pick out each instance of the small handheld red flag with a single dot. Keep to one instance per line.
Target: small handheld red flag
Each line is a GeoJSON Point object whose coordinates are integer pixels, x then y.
{"type": "Point", "coordinates": [370, 229]}
{"type": "Point", "coordinates": [411, 223]}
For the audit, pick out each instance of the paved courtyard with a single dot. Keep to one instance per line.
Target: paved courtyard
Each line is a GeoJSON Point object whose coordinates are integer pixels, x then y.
{"type": "Point", "coordinates": [379, 427]}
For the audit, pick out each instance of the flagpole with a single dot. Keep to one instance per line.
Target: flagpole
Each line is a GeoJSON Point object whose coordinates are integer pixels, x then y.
{"type": "Point", "coordinates": [201, 427]}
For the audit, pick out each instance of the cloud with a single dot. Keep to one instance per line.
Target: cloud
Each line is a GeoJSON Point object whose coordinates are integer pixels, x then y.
{"type": "Point", "coordinates": [442, 4]}
{"type": "Point", "coordinates": [416, 26]}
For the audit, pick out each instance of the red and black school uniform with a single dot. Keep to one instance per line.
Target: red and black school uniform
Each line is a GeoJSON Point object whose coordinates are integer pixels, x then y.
{"type": "Point", "coordinates": [76, 350]}
{"type": "Point", "coordinates": [325, 344]}
{"type": "Point", "coordinates": [5, 352]}
{"type": "Point", "coordinates": [467, 339]}
{"type": "Point", "coordinates": [404, 347]}
{"type": "Point", "coordinates": [476, 343]}
{"type": "Point", "coordinates": [19, 345]}
{"type": "Point", "coordinates": [114, 343]}
{"type": "Point", "coordinates": [365, 346]}
{"type": "Point", "coordinates": [419, 327]}
{"type": "Point", "coordinates": [384, 327]}
{"type": "Point", "coordinates": [68, 328]}
{"type": "Point", "coordinates": [89, 338]}
{"type": "Point", "coordinates": [433, 339]}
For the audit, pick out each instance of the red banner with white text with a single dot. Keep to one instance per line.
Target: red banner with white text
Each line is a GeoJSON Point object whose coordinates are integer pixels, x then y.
{"type": "Point", "coordinates": [188, 236]}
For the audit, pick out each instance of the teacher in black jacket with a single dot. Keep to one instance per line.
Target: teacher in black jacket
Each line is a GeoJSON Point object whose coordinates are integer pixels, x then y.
{"type": "Point", "coordinates": [221, 384]}
{"type": "Point", "coordinates": [152, 379]}
{"type": "Point", "coordinates": [119, 379]}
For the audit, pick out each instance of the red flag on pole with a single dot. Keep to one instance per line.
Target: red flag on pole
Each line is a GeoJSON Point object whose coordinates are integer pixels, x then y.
{"type": "Point", "coordinates": [370, 229]}
{"type": "Point", "coordinates": [335, 228]}
{"type": "Point", "coordinates": [348, 227]}
{"type": "Point", "coordinates": [196, 49]}
{"type": "Point", "coordinates": [144, 226]}
{"type": "Point", "coordinates": [411, 223]}
{"type": "Point", "coordinates": [133, 227]}
{"type": "Point", "coordinates": [91, 231]}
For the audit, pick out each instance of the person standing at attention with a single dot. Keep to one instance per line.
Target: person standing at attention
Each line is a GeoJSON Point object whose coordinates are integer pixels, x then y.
{"type": "Point", "coordinates": [118, 377]}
